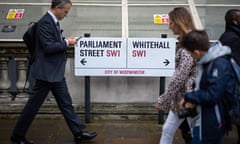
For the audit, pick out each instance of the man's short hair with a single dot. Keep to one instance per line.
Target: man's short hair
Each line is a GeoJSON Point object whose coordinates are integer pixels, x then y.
{"type": "Point", "coordinates": [196, 40]}
{"type": "Point", "coordinates": [232, 15]}
{"type": "Point", "coordinates": [61, 3]}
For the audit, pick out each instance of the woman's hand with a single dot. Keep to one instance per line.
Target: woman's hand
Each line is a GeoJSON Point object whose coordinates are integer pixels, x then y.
{"type": "Point", "coordinates": [157, 104]}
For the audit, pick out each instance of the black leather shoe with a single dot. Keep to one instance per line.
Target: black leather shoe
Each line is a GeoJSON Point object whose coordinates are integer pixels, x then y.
{"type": "Point", "coordinates": [20, 141]}
{"type": "Point", "coordinates": [85, 137]}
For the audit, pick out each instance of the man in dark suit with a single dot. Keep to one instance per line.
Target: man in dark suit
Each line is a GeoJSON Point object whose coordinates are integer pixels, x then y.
{"type": "Point", "coordinates": [48, 70]}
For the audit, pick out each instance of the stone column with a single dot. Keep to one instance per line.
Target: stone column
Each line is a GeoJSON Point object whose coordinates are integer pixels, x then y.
{"type": "Point", "coordinates": [5, 83]}
{"type": "Point", "coordinates": [22, 71]}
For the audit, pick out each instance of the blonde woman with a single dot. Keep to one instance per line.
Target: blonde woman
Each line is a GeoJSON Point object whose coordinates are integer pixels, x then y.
{"type": "Point", "coordinates": [180, 23]}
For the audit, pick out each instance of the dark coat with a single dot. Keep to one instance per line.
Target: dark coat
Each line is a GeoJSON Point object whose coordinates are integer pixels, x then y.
{"type": "Point", "coordinates": [214, 83]}
{"type": "Point", "coordinates": [211, 94]}
{"type": "Point", "coordinates": [50, 53]}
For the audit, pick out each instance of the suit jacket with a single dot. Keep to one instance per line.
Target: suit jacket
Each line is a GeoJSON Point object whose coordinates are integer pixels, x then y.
{"type": "Point", "coordinates": [51, 49]}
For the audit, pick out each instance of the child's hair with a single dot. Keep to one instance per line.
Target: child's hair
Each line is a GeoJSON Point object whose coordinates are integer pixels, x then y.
{"type": "Point", "coordinates": [196, 40]}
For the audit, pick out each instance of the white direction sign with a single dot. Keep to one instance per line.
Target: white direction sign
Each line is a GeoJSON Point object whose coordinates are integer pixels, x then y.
{"type": "Point", "coordinates": [125, 57]}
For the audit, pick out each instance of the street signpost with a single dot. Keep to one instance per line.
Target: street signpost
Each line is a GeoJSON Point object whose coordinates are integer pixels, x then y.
{"type": "Point", "coordinates": [151, 57]}
{"type": "Point", "coordinates": [122, 57]}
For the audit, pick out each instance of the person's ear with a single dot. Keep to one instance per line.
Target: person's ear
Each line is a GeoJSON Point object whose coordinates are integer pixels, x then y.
{"type": "Point", "coordinates": [196, 54]}
{"type": "Point", "coordinates": [235, 22]}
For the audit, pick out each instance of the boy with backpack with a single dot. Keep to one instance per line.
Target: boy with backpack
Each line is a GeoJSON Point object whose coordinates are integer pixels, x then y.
{"type": "Point", "coordinates": [214, 84]}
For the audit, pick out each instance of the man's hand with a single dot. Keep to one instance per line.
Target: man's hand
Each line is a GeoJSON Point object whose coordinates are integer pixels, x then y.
{"type": "Point", "coordinates": [71, 40]}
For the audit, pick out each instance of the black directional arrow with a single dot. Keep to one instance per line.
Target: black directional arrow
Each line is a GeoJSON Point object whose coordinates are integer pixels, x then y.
{"type": "Point", "coordinates": [166, 62]}
{"type": "Point", "coordinates": [83, 61]}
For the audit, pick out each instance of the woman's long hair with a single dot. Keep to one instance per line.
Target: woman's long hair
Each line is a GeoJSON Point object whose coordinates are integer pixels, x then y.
{"type": "Point", "coordinates": [182, 19]}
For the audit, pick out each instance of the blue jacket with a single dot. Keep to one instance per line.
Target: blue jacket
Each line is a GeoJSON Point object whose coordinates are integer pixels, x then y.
{"type": "Point", "coordinates": [214, 81]}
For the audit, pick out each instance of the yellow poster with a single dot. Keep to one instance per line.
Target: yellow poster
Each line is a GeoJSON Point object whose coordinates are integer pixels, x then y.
{"type": "Point", "coordinates": [161, 19]}
{"type": "Point", "coordinates": [157, 19]}
{"type": "Point", "coordinates": [15, 14]}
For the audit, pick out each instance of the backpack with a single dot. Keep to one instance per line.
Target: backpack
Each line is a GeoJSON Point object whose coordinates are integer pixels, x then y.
{"type": "Point", "coordinates": [29, 38]}
{"type": "Point", "coordinates": [234, 111]}
{"type": "Point", "coordinates": [231, 103]}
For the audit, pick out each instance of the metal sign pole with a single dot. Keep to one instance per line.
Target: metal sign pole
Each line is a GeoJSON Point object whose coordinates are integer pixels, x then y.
{"type": "Point", "coordinates": [87, 93]}
{"type": "Point", "coordinates": [161, 91]}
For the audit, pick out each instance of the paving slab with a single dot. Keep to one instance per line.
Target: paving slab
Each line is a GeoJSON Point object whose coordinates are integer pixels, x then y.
{"type": "Point", "coordinates": [55, 131]}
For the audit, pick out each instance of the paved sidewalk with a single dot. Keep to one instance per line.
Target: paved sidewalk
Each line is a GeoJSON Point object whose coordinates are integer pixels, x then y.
{"type": "Point", "coordinates": [55, 131]}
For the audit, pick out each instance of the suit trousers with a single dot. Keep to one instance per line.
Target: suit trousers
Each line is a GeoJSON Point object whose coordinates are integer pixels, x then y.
{"type": "Point", "coordinates": [36, 99]}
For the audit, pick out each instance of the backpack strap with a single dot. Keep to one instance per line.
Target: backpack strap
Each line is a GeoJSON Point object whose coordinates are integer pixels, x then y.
{"type": "Point", "coordinates": [27, 75]}
{"type": "Point", "coordinates": [31, 60]}
{"type": "Point", "coordinates": [236, 68]}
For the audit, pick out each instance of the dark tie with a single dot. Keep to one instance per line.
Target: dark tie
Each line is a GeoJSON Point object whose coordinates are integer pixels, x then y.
{"type": "Point", "coordinates": [58, 27]}
{"type": "Point", "coordinates": [59, 30]}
